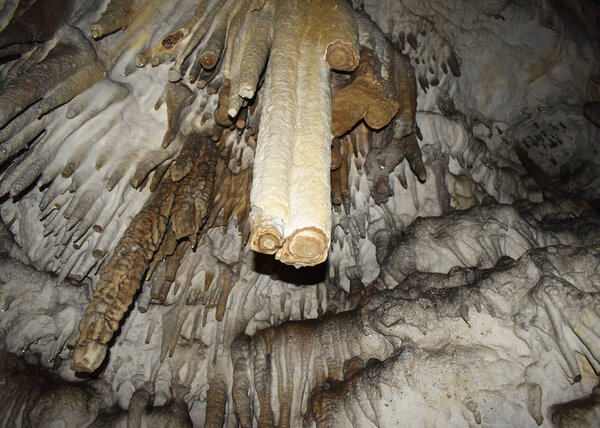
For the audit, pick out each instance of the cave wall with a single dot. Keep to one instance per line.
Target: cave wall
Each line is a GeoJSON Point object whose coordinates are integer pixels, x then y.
{"type": "Point", "coordinates": [466, 298]}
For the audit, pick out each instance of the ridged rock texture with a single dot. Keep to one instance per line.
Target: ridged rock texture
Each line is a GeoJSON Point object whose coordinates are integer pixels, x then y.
{"type": "Point", "coordinates": [299, 213]}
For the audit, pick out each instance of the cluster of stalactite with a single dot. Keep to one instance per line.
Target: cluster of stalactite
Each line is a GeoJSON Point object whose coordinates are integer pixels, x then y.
{"type": "Point", "coordinates": [290, 205]}
{"type": "Point", "coordinates": [327, 78]}
{"type": "Point", "coordinates": [271, 105]}
{"type": "Point", "coordinates": [173, 215]}
{"type": "Point", "coordinates": [303, 85]}
{"type": "Point", "coordinates": [329, 371]}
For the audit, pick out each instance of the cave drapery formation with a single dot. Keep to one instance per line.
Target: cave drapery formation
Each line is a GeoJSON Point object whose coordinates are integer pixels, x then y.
{"type": "Point", "coordinates": [299, 212]}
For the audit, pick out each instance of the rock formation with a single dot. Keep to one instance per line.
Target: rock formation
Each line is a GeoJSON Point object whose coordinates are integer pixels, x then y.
{"type": "Point", "coordinates": [308, 212]}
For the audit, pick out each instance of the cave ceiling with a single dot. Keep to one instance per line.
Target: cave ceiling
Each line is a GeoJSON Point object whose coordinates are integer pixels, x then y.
{"type": "Point", "coordinates": [294, 213]}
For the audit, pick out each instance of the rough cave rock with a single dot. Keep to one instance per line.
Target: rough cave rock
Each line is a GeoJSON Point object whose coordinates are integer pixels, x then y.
{"type": "Point", "coordinates": [330, 213]}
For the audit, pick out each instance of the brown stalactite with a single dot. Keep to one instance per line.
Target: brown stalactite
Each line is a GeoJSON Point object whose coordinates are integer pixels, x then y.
{"type": "Point", "coordinates": [19, 132]}
{"type": "Point", "coordinates": [203, 188]}
{"type": "Point", "coordinates": [387, 152]}
{"type": "Point", "coordinates": [232, 200]}
{"type": "Point", "coordinates": [412, 151]}
{"type": "Point", "coordinates": [221, 115]}
{"type": "Point", "coordinates": [365, 97]}
{"type": "Point", "coordinates": [216, 402]}
{"type": "Point", "coordinates": [184, 163]}
{"type": "Point", "coordinates": [178, 98]}
{"type": "Point", "coordinates": [335, 154]}
{"type": "Point", "coordinates": [117, 15]}
{"type": "Point", "coordinates": [336, 187]}
{"type": "Point", "coordinates": [255, 52]}
{"type": "Point", "coordinates": [288, 351]}
{"type": "Point", "coordinates": [341, 38]}
{"type": "Point", "coordinates": [213, 48]}
{"type": "Point", "coordinates": [344, 171]}
{"type": "Point", "coordinates": [120, 279]}
{"type": "Point", "coordinates": [236, 44]}
{"type": "Point", "coordinates": [198, 28]}
{"type": "Point", "coordinates": [241, 381]}
{"type": "Point", "coordinates": [226, 283]}
{"type": "Point", "coordinates": [406, 94]}
{"type": "Point", "coordinates": [195, 191]}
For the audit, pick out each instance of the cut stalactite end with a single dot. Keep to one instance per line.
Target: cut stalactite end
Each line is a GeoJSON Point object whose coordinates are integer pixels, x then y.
{"type": "Point", "coordinates": [87, 358]}
{"type": "Point", "coordinates": [265, 240]}
{"type": "Point", "coordinates": [341, 56]}
{"type": "Point", "coordinates": [97, 31]}
{"type": "Point", "coordinates": [174, 75]}
{"type": "Point", "coordinates": [208, 60]}
{"type": "Point", "coordinates": [305, 247]}
{"type": "Point", "coordinates": [141, 60]}
{"type": "Point", "coordinates": [170, 41]}
{"type": "Point", "coordinates": [267, 234]}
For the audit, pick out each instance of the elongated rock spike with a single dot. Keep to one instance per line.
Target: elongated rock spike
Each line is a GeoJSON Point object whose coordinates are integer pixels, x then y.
{"type": "Point", "coordinates": [291, 190]}
{"type": "Point", "coordinates": [117, 15]}
{"type": "Point", "coordinates": [120, 278]}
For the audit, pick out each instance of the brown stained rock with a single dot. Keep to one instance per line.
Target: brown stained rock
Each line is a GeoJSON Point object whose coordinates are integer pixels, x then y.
{"type": "Point", "coordinates": [170, 41]}
{"type": "Point", "coordinates": [167, 48]}
{"type": "Point", "coordinates": [365, 97]}
{"type": "Point", "coordinates": [169, 44]}
{"type": "Point", "coordinates": [120, 279]}
{"type": "Point", "coordinates": [195, 191]}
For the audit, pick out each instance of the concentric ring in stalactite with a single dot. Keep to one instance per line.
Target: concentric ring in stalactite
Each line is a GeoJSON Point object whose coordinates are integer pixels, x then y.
{"type": "Point", "coordinates": [306, 246]}
{"type": "Point", "coordinates": [341, 57]}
